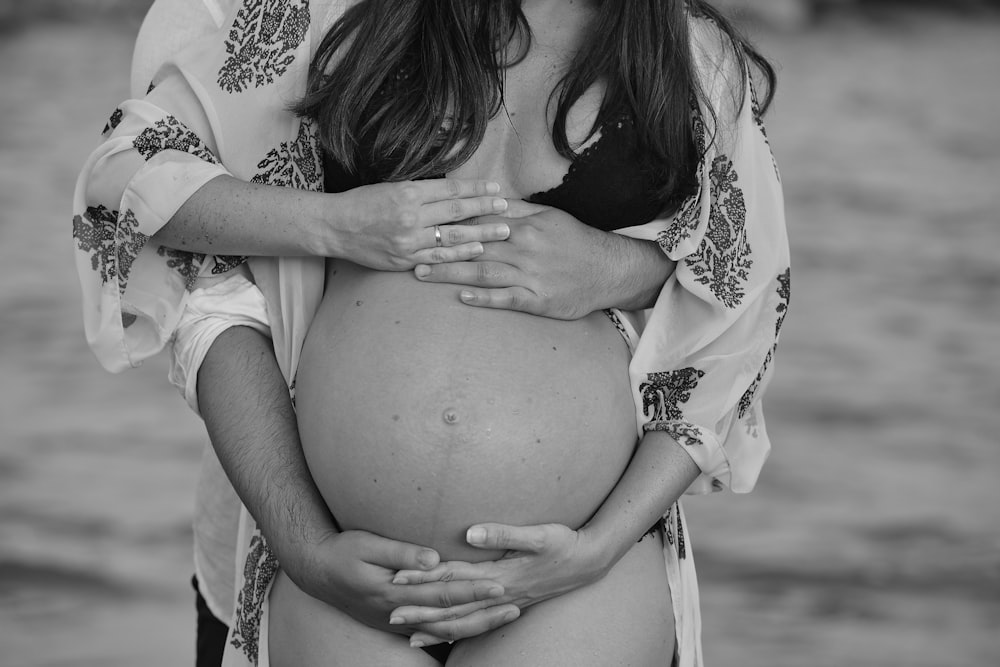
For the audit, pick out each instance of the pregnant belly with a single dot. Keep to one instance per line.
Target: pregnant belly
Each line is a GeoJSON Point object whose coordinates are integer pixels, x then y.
{"type": "Point", "coordinates": [420, 416]}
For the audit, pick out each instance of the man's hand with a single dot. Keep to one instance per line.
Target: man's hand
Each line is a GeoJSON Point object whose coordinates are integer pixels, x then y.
{"type": "Point", "coordinates": [354, 571]}
{"type": "Point", "coordinates": [555, 266]}
{"type": "Point", "coordinates": [249, 416]}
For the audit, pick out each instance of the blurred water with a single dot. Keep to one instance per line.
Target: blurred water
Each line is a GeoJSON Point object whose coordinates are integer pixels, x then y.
{"type": "Point", "coordinates": [96, 471]}
{"type": "Point", "coordinates": [873, 537]}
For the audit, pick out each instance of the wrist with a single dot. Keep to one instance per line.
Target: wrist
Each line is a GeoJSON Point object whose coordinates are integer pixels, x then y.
{"type": "Point", "coordinates": [316, 230]}
{"type": "Point", "coordinates": [299, 552]}
{"type": "Point", "coordinates": [599, 553]}
{"type": "Point", "coordinates": [296, 523]}
{"type": "Point", "coordinates": [638, 274]}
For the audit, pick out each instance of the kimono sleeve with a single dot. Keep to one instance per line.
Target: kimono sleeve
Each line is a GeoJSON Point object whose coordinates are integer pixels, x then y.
{"type": "Point", "coordinates": [133, 291]}
{"type": "Point", "coordinates": [158, 151]}
{"type": "Point", "coordinates": [706, 353]}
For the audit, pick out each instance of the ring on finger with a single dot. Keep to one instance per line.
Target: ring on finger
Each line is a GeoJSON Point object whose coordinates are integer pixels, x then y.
{"type": "Point", "coordinates": [437, 237]}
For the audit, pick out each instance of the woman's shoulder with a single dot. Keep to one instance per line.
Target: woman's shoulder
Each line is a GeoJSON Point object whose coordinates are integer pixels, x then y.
{"type": "Point", "coordinates": [719, 66]}
{"type": "Point", "coordinates": [714, 51]}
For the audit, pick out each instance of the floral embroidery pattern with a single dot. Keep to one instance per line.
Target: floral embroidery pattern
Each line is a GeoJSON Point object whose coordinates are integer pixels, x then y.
{"type": "Point", "coordinates": [296, 164]}
{"type": "Point", "coordinates": [681, 544]}
{"type": "Point", "coordinates": [113, 122]}
{"type": "Point", "coordinates": [171, 134]}
{"type": "Point", "coordinates": [659, 526]}
{"type": "Point", "coordinates": [112, 240]}
{"type": "Point", "coordinates": [665, 392]}
{"type": "Point", "coordinates": [224, 263]}
{"type": "Point", "coordinates": [258, 571]}
{"type": "Point", "coordinates": [784, 295]}
{"type": "Point", "coordinates": [723, 261]}
{"type": "Point", "coordinates": [673, 518]}
{"type": "Point", "coordinates": [262, 41]}
{"type": "Point", "coordinates": [668, 532]}
{"type": "Point", "coordinates": [684, 433]}
{"type": "Point", "coordinates": [187, 264]}
{"type": "Point", "coordinates": [746, 401]}
{"type": "Point", "coordinates": [686, 220]}
{"type": "Point", "coordinates": [94, 232]}
{"type": "Point", "coordinates": [129, 242]}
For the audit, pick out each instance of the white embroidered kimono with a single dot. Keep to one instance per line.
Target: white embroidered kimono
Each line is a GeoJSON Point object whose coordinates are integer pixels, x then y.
{"type": "Point", "coordinates": [703, 355]}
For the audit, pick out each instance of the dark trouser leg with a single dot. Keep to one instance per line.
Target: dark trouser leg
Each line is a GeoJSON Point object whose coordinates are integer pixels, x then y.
{"type": "Point", "coordinates": [211, 637]}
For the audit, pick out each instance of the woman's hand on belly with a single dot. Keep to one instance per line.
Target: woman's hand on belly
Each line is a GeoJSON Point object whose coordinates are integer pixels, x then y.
{"type": "Point", "coordinates": [548, 560]}
{"type": "Point", "coordinates": [555, 266]}
{"type": "Point", "coordinates": [541, 562]}
{"type": "Point", "coordinates": [354, 570]}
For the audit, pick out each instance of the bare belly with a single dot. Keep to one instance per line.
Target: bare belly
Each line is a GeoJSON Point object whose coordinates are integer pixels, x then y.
{"type": "Point", "coordinates": [421, 416]}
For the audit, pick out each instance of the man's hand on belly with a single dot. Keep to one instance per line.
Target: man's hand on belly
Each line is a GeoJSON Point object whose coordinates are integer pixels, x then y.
{"type": "Point", "coordinates": [354, 570]}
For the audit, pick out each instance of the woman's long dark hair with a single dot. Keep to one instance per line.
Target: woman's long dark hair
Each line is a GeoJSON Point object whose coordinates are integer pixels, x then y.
{"type": "Point", "coordinates": [412, 84]}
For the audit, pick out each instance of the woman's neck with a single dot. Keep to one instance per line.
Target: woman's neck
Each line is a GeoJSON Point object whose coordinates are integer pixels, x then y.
{"type": "Point", "coordinates": [558, 25]}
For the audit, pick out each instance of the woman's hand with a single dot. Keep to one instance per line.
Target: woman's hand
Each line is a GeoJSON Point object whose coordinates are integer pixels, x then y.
{"type": "Point", "coordinates": [555, 266]}
{"type": "Point", "coordinates": [354, 570]}
{"type": "Point", "coordinates": [540, 562]}
{"type": "Point", "coordinates": [391, 226]}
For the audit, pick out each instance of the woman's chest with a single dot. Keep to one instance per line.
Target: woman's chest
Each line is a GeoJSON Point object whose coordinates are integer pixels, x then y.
{"type": "Point", "coordinates": [517, 149]}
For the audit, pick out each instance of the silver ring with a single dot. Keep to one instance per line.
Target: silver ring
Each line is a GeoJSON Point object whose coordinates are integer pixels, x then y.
{"type": "Point", "coordinates": [437, 236]}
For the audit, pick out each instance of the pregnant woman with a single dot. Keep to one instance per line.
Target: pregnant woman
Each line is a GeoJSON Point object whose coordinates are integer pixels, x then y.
{"type": "Point", "coordinates": [456, 416]}
{"type": "Point", "coordinates": [420, 416]}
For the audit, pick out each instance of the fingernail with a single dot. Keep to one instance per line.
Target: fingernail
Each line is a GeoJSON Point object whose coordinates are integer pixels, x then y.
{"type": "Point", "coordinates": [416, 643]}
{"type": "Point", "coordinates": [400, 579]}
{"type": "Point", "coordinates": [466, 296]}
{"type": "Point", "coordinates": [396, 620]}
{"type": "Point", "coordinates": [492, 188]}
{"type": "Point", "coordinates": [504, 232]}
{"type": "Point", "coordinates": [477, 248]}
{"type": "Point", "coordinates": [475, 535]}
{"type": "Point", "coordinates": [494, 591]}
{"type": "Point", "coordinates": [511, 615]}
{"type": "Point", "coordinates": [427, 558]}
{"type": "Point", "coordinates": [422, 270]}
{"type": "Point", "coordinates": [499, 204]}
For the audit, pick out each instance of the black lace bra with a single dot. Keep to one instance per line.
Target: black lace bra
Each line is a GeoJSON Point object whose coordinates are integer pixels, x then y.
{"type": "Point", "coordinates": [606, 186]}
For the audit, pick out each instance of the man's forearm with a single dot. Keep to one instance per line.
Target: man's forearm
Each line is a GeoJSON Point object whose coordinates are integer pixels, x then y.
{"type": "Point", "coordinates": [245, 403]}
{"type": "Point", "coordinates": [637, 270]}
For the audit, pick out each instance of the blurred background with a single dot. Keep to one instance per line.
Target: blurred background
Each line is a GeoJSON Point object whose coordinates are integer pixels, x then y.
{"type": "Point", "coordinates": [873, 537]}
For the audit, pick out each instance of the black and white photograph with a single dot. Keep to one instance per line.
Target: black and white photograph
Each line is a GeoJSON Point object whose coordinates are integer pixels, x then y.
{"type": "Point", "coordinates": [487, 333]}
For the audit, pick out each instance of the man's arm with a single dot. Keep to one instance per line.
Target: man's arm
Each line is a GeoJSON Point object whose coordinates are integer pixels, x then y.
{"type": "Point", "coordinates": [247, 410]}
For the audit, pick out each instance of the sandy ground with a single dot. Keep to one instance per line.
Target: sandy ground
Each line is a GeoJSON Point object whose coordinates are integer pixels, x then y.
{"type": "Point", "coordinates": [874, 535]}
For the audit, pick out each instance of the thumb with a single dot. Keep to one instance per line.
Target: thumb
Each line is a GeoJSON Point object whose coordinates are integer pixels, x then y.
{"type": "Point", "coordinates": [507, 538]}
{"type": "Point", "coordinates": [394, 555]}
{"type": "Point", "coordinates": [519, 208]}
